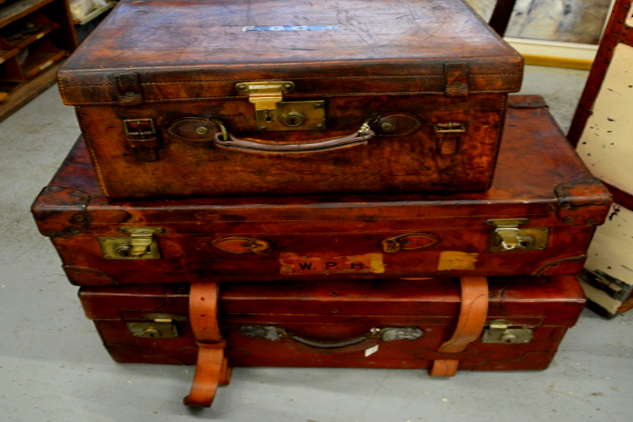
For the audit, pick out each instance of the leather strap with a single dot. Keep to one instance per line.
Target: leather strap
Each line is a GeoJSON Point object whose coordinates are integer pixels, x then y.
{"type": "Point", "coordinates": [472, 319]}
{"type": "Point", "coordinates": [129, 90]}
{"type": "Point", "coordinates": [456, 79]}
{"type": "Point", "coordinates": [212, 368]}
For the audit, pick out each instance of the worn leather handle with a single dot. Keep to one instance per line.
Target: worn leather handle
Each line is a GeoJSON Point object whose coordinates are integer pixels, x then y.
{"type": "Point", "coordinates": [211, 367]}
{"type": "Point", "coordinates": [386, 334]}
{"type": "Point", "coordinates": [328, 345]}
{"type": "Point", "coordinates": [472, 319]}
{"type": "Point", "coordinates": [225, 140]}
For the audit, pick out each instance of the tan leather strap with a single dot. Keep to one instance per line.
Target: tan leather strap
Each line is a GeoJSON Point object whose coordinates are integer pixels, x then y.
{"type": "Point", "coordinates": [212, 368]}
{"type": "Point", "coordinates": [472, 319]}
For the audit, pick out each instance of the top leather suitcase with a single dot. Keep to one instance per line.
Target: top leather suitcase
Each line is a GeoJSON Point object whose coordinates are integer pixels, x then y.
{"type": "Point", "coordinates": [221, 98]}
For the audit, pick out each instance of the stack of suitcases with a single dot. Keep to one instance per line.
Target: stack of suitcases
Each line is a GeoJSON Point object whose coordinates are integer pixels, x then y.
{"type": "Point", "coordinates": [268, 183]}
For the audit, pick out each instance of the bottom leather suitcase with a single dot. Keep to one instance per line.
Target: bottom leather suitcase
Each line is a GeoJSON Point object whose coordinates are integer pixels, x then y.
{"type": "Point", "coordinates": [412, 324]}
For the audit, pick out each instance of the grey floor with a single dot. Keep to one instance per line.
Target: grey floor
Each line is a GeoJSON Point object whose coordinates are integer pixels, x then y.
{"type": "Point", "coordinates": [53, 367]}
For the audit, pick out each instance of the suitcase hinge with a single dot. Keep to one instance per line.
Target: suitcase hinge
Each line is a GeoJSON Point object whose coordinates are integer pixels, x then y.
{"type": "Point", "coordinates": [141, 135]}
{"type": "Point", "coordinates": [159, 328]}
{"type": "Point", "coordinates": [502, 331]}
{"type": "Point", "coordinates": [273, 114]}
{"type": "Point", "coordinates": [456, 75]}
{"type": "Point", "coordinates": [509, 237]}
{"type": "Point", "coordinates": [140, 245]}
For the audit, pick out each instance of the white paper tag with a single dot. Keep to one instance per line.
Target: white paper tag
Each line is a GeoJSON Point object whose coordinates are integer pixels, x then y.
{"type": "Point", "coordinates": [371, 351]}
{"type": "Point", "coordinates": [278, 28]}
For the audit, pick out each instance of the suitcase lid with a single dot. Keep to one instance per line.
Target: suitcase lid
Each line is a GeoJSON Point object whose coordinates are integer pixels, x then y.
{"type": "Point", "coordinates": [151, 51]}
{"type": "Point", "coordinates": [552, 301]}
{"type": "Point", "coordinates": [538, 177]}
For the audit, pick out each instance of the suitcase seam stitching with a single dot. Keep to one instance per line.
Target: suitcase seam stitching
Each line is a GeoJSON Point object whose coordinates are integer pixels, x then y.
{"type": "Point", "coordinates": [295, 78]}
{"type": "Point", "coordinates": [88, 141]}
{"type": "Point", "coordinates": [350, 94]}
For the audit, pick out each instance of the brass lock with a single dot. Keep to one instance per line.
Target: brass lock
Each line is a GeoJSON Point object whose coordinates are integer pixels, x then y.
{"type": "Point", "coordinates": [141, 244]}
{"type": "Point", "coordinates": [502, 331]}
{"type": "Point", "coordinates": [159, 328]}
{"type": "Point", "coordinates": [274, 114]}
{"type": "Point", "coordinates": [508, 236]}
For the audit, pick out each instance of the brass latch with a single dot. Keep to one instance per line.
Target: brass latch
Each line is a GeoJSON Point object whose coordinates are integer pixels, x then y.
{"type": "Point", "coordinates": [450, 127]}
{"type": "Point", "coordinates": [502, 331]}
{"type": "Point", "coordinates": [273, 114]}
{"type": "Point", "coordinates": [159, 328]}
{"type": "Point", "coordinates": [509, 237]}
{"type": "Point", "coordinates": [140, 133]}
{"type": "Point", "coordinates": [141, 244]}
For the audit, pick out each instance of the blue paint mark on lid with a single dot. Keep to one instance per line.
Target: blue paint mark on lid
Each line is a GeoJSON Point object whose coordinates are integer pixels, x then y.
{"type": "Point", "coordinates": [279, 28]}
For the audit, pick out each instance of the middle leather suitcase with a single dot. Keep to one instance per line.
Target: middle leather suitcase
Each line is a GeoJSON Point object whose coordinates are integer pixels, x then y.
{"type": "Point", "coordinates": [537, 219]}
{"type": "Point", "coordinates": [218, 98]}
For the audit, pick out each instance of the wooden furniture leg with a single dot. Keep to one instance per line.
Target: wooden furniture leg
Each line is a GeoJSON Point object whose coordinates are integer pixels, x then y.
{"type": "Point", "coordinates": [501, 16]}
{"type": "Point", "coordinates": [212, 368]}
{"type": "Point", "coordinates": [472, 319]}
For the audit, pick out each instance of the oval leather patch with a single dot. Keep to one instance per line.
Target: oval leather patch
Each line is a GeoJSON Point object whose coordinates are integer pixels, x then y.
{"type": "Point", "coordinates": [193, 129]}
{"type": "Point", "coordinates": [408, 242]}
{"type": "Point", "coordinates": [240, 245]}
{"type": "Point", "coordinates": [397, 124]}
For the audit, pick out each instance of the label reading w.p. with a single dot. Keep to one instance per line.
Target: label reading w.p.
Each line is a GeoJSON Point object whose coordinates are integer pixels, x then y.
{"type": "Point", "coordinates": [324, 264]}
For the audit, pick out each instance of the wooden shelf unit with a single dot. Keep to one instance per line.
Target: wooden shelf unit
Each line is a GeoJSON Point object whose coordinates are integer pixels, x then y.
{"type": "Point", "coordinates": [35, 35]}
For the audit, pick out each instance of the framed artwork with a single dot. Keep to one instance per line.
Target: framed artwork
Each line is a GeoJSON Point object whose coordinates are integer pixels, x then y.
{"type": "Point", "coordinates": [562, 33]}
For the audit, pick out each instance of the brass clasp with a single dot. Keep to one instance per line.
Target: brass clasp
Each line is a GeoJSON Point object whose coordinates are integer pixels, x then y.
{"type": "Point", "coordinates": [274, 114]}
{"type": "Point", "coordinates": [141, 244]}
{"type": "Point", "coordinates": [450, 127]}
{"type": "Point", "coordinates": [502, 331]}
{"type": "Point", "coordinates": [507, 236]}
{"type": "Point", "coordinates": [158, 328]}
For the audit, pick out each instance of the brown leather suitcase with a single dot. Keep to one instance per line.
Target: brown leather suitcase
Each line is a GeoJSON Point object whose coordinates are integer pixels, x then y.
{"type": "Point", "coordinates": [371, 324]}
{"type": "Point", "coordinates": [221, 98]}
{"type": "Point", "coordinates": [537, 219]}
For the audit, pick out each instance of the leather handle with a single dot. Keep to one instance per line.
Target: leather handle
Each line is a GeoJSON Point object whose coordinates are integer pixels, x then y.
{"type": "Point", "coordinates": [228, 141]}
{"type": "Point", "coordinates": [386, 334]}
{"type": "Point", "coordinates": [211, 368]}
{"type": "Point", "coordinates": [328, 345]}
{"type": "Point", "coordinates": [472, 319]}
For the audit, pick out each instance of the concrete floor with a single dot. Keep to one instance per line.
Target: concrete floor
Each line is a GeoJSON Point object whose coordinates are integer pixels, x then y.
{"type": "Point", "coordinates": [53, 367]}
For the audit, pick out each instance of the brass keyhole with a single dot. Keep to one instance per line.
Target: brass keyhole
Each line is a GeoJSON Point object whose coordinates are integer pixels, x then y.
{"type": "Point", "coordinates": [151, 332]}
{"type": "Point", "coordinates": [124, 250]}
{"type": "Point", "coordinates": [508, 338]}
{"type": "Point", "coordinates": [292, 119]}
